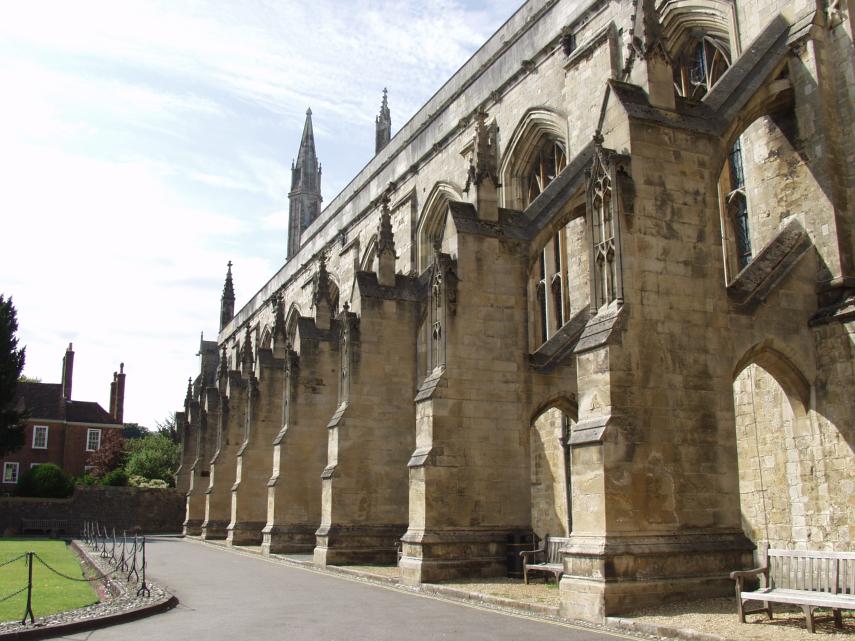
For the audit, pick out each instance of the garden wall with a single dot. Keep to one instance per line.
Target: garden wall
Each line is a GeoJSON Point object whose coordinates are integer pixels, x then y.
{"type": "Point", "coordinates": [125, 508]}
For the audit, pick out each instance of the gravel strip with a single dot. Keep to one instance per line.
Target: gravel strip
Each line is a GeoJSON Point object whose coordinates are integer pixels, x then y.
{"type": "Point", "coordinates": [718, 617]}
{"type": "Point", "coordinates": [118, 597]}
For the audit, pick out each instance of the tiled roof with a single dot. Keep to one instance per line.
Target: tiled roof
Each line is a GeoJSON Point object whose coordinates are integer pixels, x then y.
{"type": "Point", "coordinates": [44, 401]}
{"type": "Point", "coordinates": [87, 412]}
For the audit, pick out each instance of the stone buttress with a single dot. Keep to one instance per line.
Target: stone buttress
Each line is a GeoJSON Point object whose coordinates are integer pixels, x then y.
{"type": "Point", "coordinates": [370, 435]}
{"type": "Point", "coordinates": [469, 474]}
{"type": "Point", "coordinates": [263, 421]}
{"type": "Point", "coordinates": [230, 435]}
{"type": "Point", "coordinates": [300, 448]}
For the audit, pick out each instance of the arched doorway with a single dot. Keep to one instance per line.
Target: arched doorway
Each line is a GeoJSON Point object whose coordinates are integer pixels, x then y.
{"type": "Point", "coordinates": [550, 469]}
{"type": "Point", "coordinates": [781, 495]}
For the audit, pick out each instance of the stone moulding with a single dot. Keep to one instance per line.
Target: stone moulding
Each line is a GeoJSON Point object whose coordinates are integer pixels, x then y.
{"type": "Point", "coordinates": [771, 265]}
{"type": "Point", "coordinates": [434, 380]}
{"type": "Point", "coordinates": [599, 329]}
{"type": "Point", "coordinates": [591, 430]}
{"type": "Point", "coordinates": [406, 288]}
{"type": "Point", "coordinates": [560, 345]}
{"type": "Point", "coordinates": [420, 457]}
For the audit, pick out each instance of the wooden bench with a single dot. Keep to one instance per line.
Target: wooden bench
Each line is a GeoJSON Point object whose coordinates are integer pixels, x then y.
{"type": "Point", "coordinates": [44, 526]}
{"type": "Point", "coordinates": [546, 558]}
{"type": "Point", "coordinates": [801, 577]}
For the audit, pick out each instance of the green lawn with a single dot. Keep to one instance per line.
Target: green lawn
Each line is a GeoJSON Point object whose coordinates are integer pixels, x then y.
{"type": "Point", "coordinates": [51, 593]}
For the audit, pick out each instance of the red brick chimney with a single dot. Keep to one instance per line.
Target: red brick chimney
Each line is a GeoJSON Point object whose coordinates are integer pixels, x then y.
{"type": "Point", "coordinates": [117, 395]}
{"type": "Point", "coordinates": [67, 372]}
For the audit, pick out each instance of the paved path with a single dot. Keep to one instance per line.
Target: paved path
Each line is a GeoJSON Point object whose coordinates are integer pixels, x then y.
{"type": "Point", "coordinates": [234, 597]}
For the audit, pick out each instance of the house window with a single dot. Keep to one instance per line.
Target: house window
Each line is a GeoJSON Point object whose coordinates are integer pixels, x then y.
{"type": "Point", "coordinates": [93, 440]}
{"type": "Point", "coordinates": [10, 472]}
{"type": "Point", "coordinates": [40, 437]}
{"type": "Point", "coordinates": [32, 465]}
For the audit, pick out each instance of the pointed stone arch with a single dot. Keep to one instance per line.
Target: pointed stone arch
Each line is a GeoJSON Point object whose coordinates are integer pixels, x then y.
{"type": "Point", "coordinates": [432, 220]}
{"type": "Point", "coordinates": [794, 384]}
{"type": "Point", "coordinates": [682, 19]}
{"type": "Point", "coordinates": [550, 427]}
{"type": "Point", "coordinates": [537, 126]}
{"type": "Point", "coordinates": [366, 263]}
{"type": "Point", "coordinates": [563, 402]}
{"type": "Point", "coordinates": [291, 319]}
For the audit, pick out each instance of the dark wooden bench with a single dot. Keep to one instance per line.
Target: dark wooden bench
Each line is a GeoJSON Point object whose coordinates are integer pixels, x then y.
{"type": "Point", "coordinates": [52, 527]}
{"type": "Point", "coordinates": [801, 577]}
{"type": "Point", "coordinates": [546, 558]}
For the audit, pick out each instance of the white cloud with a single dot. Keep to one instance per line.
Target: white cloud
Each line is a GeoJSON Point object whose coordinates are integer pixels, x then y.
{"type": "Point", "coordinates": [144, 144]}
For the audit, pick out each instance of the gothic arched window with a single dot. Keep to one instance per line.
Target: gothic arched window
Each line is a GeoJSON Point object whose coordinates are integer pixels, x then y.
{"type": "Point", "coordinates": [737, 205]}
{"type": "Point", "coordinates": [548, 162]}
{"type": "Point", "coordinates": [549, 288]}
{"type": "Point", "coordinates": [699, 65]}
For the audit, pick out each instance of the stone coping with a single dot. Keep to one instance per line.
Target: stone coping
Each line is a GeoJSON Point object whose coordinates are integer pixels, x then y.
{"type": "Point", "coordinates": [119, 604]}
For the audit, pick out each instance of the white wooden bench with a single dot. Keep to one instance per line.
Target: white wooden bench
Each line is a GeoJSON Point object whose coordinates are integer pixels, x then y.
{"type": "Point", "coordinates": [801, 577]}
{"type": "Point", "coordinates": [546, 558]}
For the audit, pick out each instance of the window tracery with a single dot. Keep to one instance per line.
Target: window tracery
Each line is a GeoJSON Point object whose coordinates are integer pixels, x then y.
{"type": "Point", "coordinates": [737, 205]}
{"type": "Point", "coordinates": [549, 161]}
{"type": "Point", "coordinates": [549, 287]}
{"type": "Point", "coordinates": [699, 65]}
{"type": "Point", "coordinates": [604, 178]}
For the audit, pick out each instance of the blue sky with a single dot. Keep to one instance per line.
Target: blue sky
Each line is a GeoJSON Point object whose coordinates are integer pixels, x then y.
{"type": "Point", "coordinates": [143, 144]}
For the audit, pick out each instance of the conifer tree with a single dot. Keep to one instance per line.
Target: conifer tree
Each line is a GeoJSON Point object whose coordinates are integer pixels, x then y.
{"type": "Point", "coordinates": [11, 365]}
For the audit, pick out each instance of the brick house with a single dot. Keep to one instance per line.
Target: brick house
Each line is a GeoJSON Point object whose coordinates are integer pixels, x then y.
{"type": "Point", "coordinates": [60, 430]}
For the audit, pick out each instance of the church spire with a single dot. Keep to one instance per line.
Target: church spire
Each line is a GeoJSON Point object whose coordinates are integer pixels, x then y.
{"type": "Point", "coordinates": [305, 195]}
{"type": "Point", "coordinates": [227, 302]}
{"type": "Point", "coordinates": [383, 125]}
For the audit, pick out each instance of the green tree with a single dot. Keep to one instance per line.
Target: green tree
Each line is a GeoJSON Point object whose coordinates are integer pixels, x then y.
{"type": "Point", "coordinates": [131, 431]}
{"type": "Point", "coordinates": [154, 456]}
{"type": "Point", "coordinates": [167, 428]}
{"type": "Point", "coordinates": [110, 455]}
{"type": "Point", "coordinates": [45, 480]}
{"type": "Point", "coordinates": [11, 365]}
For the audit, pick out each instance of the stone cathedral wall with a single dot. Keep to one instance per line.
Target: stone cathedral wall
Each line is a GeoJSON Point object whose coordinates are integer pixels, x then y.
{"type": "Point", "coordinates": [709, 407]}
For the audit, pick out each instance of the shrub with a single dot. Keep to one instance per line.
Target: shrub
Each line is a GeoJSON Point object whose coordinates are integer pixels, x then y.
{"type": "Point", "coordinates": [141, 481]}
{"type": "Point", "coordinates": [116, 478]}
{"type": "Point", "coordinates": [153, 457]}
{"type": "Point", "coordinates": [45, 481]}
{"type": "Point", "coordinates": [85, 479]}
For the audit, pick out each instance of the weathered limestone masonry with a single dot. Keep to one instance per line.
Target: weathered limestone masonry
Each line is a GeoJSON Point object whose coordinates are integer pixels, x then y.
{"type": "Point", "coordinates": [300, 447]}
{"type": "Point", "coordinates": [231, 431]}
{"type": "Point", "coordinates": [364, 507]}
{"type": "Point", "coordinates": [197, 439]}
{"type": "Point", "coordinates": [600, 286]}
{"type": "Point", "coordinates": [263, 422]}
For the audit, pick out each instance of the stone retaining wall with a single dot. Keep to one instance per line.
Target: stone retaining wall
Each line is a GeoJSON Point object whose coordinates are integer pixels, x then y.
{"type": "Point", "coordinates": [151, 510]}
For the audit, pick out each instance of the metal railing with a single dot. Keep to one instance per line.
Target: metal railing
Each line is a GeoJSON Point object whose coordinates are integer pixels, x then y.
{"type": "Point", "coordinates": [126, 559]}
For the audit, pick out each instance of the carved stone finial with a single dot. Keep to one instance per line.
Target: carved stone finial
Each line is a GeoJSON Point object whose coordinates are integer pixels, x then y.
{"type": "Point", "coordinates": [383, 124]}
{"type": "Point", "coordinates": [189, 396]}
{"type": "Point", "coordinates": [346, 307]}
{"type": "Point", "coordinates": [223, 365]}
{"type": "Point", "coordinates": [483, 165]}
{"type": "Point", "coordinates": [227, 301]}
{"type": "Point", "coordinates": [246, 359]}
{"type": "Point", "coordinates": [322, 296]}
{"type": "Point", "coordinates": [385, 245]}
